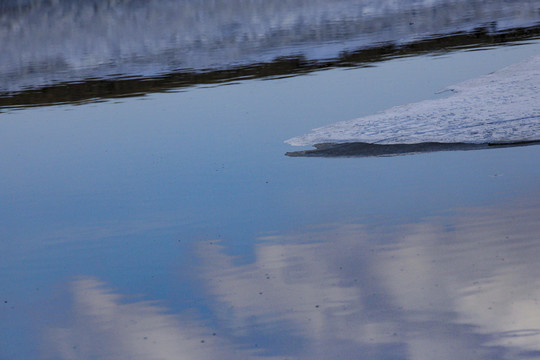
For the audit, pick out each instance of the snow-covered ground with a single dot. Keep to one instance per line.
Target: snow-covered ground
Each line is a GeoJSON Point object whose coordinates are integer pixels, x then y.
{"type": "Point", "coordinates": [500, 107]}
{"type": "Point", "coordinates": [50, 42]}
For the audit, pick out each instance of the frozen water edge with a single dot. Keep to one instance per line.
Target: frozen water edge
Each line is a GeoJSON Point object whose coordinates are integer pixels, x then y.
{"type": "Point", "coordinates": [502, 107]}
{"type": "Point", "coordinates": [358, 149]}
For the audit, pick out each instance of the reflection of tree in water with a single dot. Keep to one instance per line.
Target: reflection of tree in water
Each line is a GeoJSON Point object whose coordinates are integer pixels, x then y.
{"type": "Point", "coordinates": [465, 286]}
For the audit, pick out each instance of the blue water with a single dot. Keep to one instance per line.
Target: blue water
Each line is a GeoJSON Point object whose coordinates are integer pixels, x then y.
{"type": "Point", "coordinates": [171, 225]}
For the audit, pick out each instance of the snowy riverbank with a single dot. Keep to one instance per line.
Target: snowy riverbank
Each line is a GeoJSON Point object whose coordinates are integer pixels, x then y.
{"type": "Point", "coordinates": [500, 107]}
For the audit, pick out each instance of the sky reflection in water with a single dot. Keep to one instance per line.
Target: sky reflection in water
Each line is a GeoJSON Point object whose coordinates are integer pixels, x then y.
{"type": "Point", "coordinates": [446, 287]}
{"type": "Point", "coordinates": [107, 208]}
{"type": "Point", "coordinates": [139, 228]}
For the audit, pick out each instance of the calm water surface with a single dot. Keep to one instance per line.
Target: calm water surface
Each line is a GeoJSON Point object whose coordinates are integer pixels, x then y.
{"type": "Point", "coordinates": [171, 225]}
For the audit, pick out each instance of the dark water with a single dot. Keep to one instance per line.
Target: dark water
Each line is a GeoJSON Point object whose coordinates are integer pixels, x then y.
{"type": "Point", "coordinates": [157, 217]}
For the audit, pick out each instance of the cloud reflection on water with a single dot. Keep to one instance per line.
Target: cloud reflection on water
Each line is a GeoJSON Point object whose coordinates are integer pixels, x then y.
{"type": "Point", "coordinates": [104, 326]}
{"type": "Point", "coordinates": [456, 287]}
{"type": "Point", "coordinates": [459, 286]}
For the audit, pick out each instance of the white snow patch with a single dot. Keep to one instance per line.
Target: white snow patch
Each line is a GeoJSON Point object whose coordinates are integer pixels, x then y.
{"type": "Point", "coordinates": [500, 107]}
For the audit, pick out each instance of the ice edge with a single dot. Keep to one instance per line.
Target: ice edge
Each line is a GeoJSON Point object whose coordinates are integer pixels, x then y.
{"type": "Point", "coordinates": [502, 107]}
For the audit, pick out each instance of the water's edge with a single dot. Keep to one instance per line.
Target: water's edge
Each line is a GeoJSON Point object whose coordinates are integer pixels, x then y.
{"type": "Point", "coordinates": [360, 149]}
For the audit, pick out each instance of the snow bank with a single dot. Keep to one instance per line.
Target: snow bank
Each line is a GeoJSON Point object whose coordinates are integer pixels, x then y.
{"type": "Point", "coordinates": [500, 107]}
{"type": "Point", "coordinates": [52, 42]}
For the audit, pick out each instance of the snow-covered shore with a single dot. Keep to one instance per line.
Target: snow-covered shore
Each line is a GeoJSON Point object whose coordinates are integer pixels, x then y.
{"type": "Point", "coordinates": [46, 43]}
{"type": "Point", "coordinates": [497, 108]}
